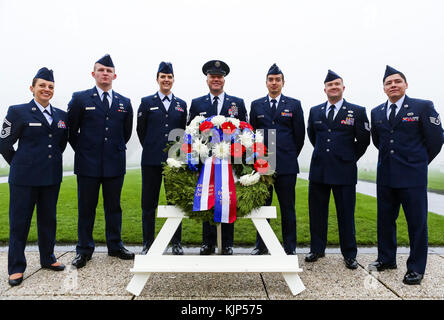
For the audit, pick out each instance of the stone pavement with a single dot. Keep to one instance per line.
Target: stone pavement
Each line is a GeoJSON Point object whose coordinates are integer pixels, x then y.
{"type": "Point", "coordinates": [106, 278]}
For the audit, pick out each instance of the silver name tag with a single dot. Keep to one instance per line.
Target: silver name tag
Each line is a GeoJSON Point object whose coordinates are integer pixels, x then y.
{"type": "Point", "coordinates": [90, 108]}
{"type": "Point", "coordinates": [154, 108]}
{"type": "Point", "coordinates": [35, 124]}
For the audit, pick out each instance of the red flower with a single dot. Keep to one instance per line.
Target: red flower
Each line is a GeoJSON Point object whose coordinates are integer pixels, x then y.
{"type": "Point", "coordinates": [205, 126]}
{"type": "Point", "coordinates": [186, 148]}
{"type": "Point", "coordinates": [261, 166]}
{"type": "Point", "coordinates": [228, 127]}
{"type": "Point", "coordinates": [245, 125]}
{"type": "Point", "coordinates": [237, 150]}
{"type": "Point", "coordinates": [260, 148]}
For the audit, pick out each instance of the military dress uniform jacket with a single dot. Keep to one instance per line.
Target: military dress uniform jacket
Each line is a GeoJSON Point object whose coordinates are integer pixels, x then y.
{"type": "Point", "coordinates": [38, 158]}
{"type": "Point", "coordinates": [337, 146]}
{"type": "Point", "coordinates": [99, 136]}
{"type": "Point", "coordinates": [154, 124]}
{"type": "Point", "coordinates": [406, 149]}
{"type": "Point", "coordinates": [232, 107]}
{"type": "Point", "coordinates": [289, 125]}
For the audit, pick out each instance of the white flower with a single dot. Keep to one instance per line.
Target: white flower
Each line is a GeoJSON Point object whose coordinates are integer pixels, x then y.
{"type": "Point", "coordinates": [259, 137]}
{"type": "Point", "coordinates": [234, 121]}
{"type": "Point", "coordinates": [192, 130]}
{"type": "Point", "coordinates": [250, 179]}
{"type": "Point", "coordinates": [218, 120]}
{"type": "Point", "coordinates": [246, 139]}
{"type": "Point", "coordinates": [199, 147]}
{"type": "Point", "coordinates": [196, 121]}
{"type": "Point", "coordinates": [222, 150]}
{"type": "Point", "coordinates": [173, 163]}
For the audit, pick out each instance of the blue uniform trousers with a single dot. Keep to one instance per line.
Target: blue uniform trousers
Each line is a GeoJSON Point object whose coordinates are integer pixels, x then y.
{"type": "Point", "coordinates": [88, 195]}
{"type": "Point", "coordinates": [414, 203]}
{"type": "Point", "coordinates": [209, 234]}
{"type": "Point", "coordinates": [284, 185]}
{"type": "Point", "coordinates": [22, 201]}
{"type": "Point", "coordinates": [151, 183]}
{"type": "Point", "coordinates": [345, 199]}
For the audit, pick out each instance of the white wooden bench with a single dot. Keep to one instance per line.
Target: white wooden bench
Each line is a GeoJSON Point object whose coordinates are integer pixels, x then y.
{"type": "Point", "coordinates": [155, 261]}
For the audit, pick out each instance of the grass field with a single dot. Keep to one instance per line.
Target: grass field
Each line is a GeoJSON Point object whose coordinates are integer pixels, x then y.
{"type": "Point", "coordinates": [244, 231]}
{"type": "Point", "coordinates": [435, 179]}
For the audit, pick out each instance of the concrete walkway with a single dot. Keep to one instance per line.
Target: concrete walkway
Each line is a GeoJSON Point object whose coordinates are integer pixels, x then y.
{"type": "Point", "coordinates": [106, 278]}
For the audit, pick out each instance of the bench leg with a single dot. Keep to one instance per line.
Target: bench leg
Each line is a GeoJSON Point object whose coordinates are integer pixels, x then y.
{"type": "Point", "coordinates": [137, 283]}
{"type": "Point", "coordinates": [293, 280]}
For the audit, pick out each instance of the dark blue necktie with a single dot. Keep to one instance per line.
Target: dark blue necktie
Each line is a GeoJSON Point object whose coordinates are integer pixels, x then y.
{"type": "Point", "coordinates": [331, 114]}
{"type": "Point", "coordinates": [392, 114]}
{"type": "Point", "coordinates": [50, 117]}
{"type": "Point", "coordinates": [215, 105]}
{"type": "Point", "coordinates": [105, 100]}
{"type": "Point", "coordinates": [166, 98]}
{"type": "Point", "coordinates": [273, 107]}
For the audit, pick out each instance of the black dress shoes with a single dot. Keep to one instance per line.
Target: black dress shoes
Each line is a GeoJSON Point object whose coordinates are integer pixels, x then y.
{"type": "Point", "coordinates": [207, 249]}
{"type": "Point", "coordinates": [80, 260]}
{"type": "Point", "coordinates": [351, 263]}
{"type": "Point", "coordinates": [15, 282]}
{"type": "Point", "coordinates": [122, 253]}
{"type": "Point", "coordinates": [227, 251]}
{"type": "Point", "coordinates": [60, 267]}
{"type": "Point", "coordinates": [313, 256]}
{"type": "Point", "coordinates": [379, 266]}
{"type": "Point", "coordinates": [258, 252]}
{"type": "Point", "coordinates": [412, 277]}
{"type": "Point", "coordinates": [176, 249]}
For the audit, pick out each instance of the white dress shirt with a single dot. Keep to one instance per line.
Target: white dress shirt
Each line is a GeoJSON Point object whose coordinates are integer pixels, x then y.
{"type": "Point", "coordinates": [338, 105]}
{"type": "Point", "coordinates": [220, 101]}
{"type": "Point", "coordinates": [110, 95]}
{"type": "Point", "coordinates": [398, 106]}
{"type": "Point", "coordinates": [165, 102]}
{"type": "Point", "coordinates": [278, 98]}
{"type": "Point", "coordinates": [48, 108]}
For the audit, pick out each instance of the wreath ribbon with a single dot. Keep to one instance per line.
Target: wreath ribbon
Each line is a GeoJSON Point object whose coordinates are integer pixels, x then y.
{"type": "Point", "coordinates": [215, 187]}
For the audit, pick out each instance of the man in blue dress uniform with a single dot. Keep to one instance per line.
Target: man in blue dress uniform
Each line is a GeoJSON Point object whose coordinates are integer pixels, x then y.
{"type": "Point", "coordinates": [35, 173]}
{"type": "Point", "coordinates": [217, 102]}
{"type": "Point", "coordinates": [340, 134]}
{"type": "Point", "coordinates": [408, 134]}
{"type": "Point", "coordinates": [158, 114]}
{"type": "Point", "coordinates": [101, 121]}
{"type": "Point", "coordinates": [282, 119]}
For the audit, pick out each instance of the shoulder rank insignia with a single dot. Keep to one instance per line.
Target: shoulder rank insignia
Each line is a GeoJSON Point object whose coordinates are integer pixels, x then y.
{"type": "Point", "coordinates": [6, 130]}
{"type": "Point", "coordinates": [436, 121]}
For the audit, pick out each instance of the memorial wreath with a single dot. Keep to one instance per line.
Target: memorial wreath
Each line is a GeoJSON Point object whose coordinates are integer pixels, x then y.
{"type": "Point", "coordinates": [219, 172]}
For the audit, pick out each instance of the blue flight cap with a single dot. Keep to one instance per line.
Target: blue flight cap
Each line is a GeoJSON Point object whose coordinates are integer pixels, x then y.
{"type": "Point", "coordinates": [390, 71]}
{"type": "Point", "coordinates": [331, 75]}
{"type": "Point", "coordinates": [106, 61]}
{"type": "Point", "coordinates": [165, 67]}
{"type": "Point", "coordinates": [216, 67]}
{"type": "Point", "coordinates": [274, 69]}
{"type": "Point", "coordinates": [45, 74]}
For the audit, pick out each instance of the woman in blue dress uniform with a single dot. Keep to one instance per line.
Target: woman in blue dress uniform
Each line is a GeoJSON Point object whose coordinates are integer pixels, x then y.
{"type": "Point", "coordinates": [35, 173]}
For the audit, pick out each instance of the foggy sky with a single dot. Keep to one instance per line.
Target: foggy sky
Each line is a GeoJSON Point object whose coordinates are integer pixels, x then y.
{"type": "Point", "coordinates": [356, 39]}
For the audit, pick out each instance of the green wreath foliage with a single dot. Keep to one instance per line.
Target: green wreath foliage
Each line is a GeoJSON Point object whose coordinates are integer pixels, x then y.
{"type": "Point", "coordinates": [180, 185]}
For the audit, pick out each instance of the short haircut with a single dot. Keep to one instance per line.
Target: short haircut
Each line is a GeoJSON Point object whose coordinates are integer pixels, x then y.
{"type": "Point", "coordinates": [401, 74]}
{"type": "Point", "coordinates": [266, 78]}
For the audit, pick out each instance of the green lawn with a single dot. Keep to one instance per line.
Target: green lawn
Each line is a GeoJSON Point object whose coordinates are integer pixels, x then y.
{"type": "Point", "coordinates": [244, 231]}
{"type": "Point", "coordinates": [435, 179]}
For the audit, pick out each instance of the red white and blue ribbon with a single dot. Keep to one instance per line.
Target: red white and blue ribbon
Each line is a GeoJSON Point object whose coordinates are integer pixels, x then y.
{"type": "Point", "coordinates": [215, 187]}
{"type": "Point", "coordinates": [226, 203]}
{"type": "Point", "coordinates": [204, 195]}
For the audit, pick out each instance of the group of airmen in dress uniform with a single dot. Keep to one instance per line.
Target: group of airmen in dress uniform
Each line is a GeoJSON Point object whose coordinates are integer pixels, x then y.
{"type": "Point", "coordinates": [98, 124]}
